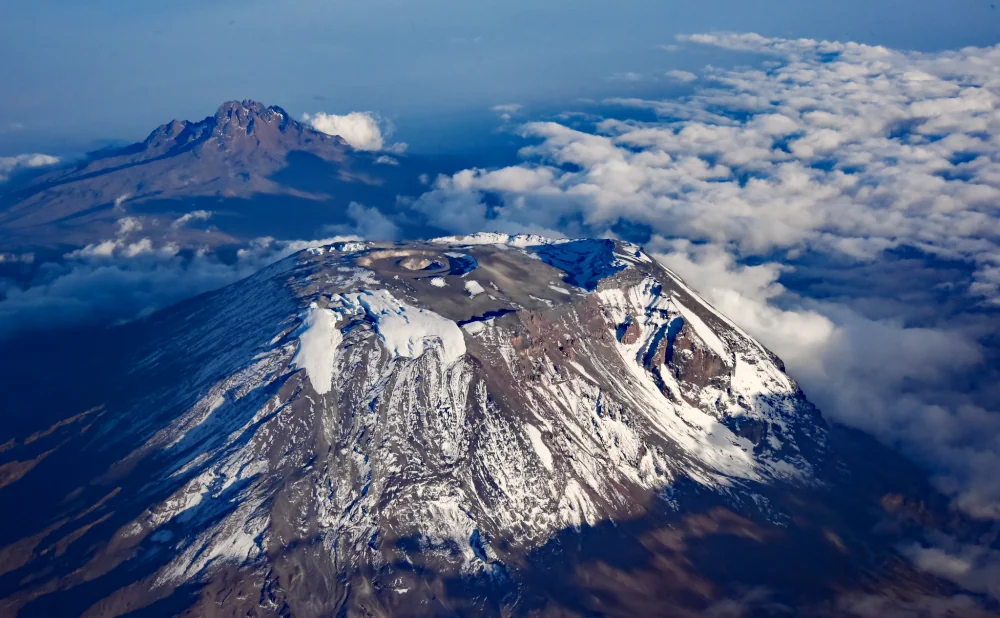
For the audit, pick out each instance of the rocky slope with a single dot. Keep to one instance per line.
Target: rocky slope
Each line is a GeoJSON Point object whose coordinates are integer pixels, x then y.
{"type": "Point", "coordinates": [485, 425]}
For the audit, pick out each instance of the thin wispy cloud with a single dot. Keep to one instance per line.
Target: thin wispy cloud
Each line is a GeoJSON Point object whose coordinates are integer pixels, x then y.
{"type": "Point", "coordinates": [684, 77]}
{"type": "Point", "coordinates": [507, 111]}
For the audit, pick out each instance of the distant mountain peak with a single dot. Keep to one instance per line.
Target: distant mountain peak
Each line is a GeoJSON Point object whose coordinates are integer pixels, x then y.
{"type": "Point", "coordinates": [233, 116]}
{"type": "Point", "coordinates": [232, 153]}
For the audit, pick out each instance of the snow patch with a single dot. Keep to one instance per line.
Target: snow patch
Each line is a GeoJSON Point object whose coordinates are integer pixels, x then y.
{"type": "Point", "coordinates": [406, 330]}
{"type": "Point", "coordinates": [438, 282]}
{"type": "Point", "coordinates": [474, 328]}
{"type": "Point", "coordinates": [473, 288]}
{"type": "Point", "coordinates": [318, 345]}
{"type": "Point", "coordinates": [538, 444]}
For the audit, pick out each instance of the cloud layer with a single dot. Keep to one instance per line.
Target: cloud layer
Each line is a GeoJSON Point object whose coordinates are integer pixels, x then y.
{"type": "Point", "coordinates": [868, 176]}
{"type": "Point", "coordinates": [11, 165]}
{"type": "Point", "coordinates": [128, 277]}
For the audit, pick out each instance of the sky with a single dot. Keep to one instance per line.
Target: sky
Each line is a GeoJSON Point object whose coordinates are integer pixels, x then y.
{"type": "Point", "coordinates": [78, 74]}
{"type": "Point", "coordinates": [825, 173]}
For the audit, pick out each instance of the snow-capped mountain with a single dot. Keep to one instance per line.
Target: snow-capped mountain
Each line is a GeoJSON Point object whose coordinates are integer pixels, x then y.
{"type": "Point", "coordinates": [483, 425]}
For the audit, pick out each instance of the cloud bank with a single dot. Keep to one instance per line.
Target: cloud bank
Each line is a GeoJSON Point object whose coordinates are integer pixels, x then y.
{"type": "Point", "coordinates": [128, 277]}
{"type": "Point", "coordinates": [11, 165]}
{"type": "Point", "coordinates": [867, 176]}
{"type": "Point", "coordinates": [361, 130]}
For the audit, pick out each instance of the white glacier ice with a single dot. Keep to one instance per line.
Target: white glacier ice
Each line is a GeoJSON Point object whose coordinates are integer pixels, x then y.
{"type": "Point", "coordinates": [406, 330]}
{"type": "Point", "coordinates": [318, 345]}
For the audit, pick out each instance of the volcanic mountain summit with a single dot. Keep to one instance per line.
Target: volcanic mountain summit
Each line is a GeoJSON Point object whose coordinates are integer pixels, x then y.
{"type": "Point", "coordinates": [257, 167]}
{"type": "Point", "coordinates": [488, 425]}
{"type": "Point", "coordinates": [241, 130]}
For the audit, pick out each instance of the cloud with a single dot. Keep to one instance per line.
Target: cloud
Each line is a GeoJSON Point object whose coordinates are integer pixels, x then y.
{"type": "Point", "coordinates": [628, 76]}
{"type": "Point", "coordinates": [361, 130]}
{"type": "Point", "coordinates": [507, 110]}
{"type": "Point", "coordinates": [973, 567]}
{"type": "Point", "coordinates": [120, 279]}
{"type": "Point", "coordinates": [369, 224]}
{"type": "Point", "coordinates": [12, 165]}
{"type": "Point", "coordinates": [127, 225]}
{"type": "Point", "coordinates": [195, 215]}
{"type": "Point", "coordinates": [913, 605]}
{"type": "Point", "coordinates": [685, 77]}
{"type": "Point", "coordinates": [907, 385]}
{"type": "Point", "coordinates": [868, 176]}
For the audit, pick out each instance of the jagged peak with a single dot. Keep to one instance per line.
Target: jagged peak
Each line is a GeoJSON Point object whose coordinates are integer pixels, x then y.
{"type": "Point", "coordinates": [245, 115]}
{"type": "Point", "coordinates": [248, 107]}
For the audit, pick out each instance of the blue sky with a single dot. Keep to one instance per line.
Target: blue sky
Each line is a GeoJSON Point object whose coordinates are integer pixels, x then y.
{"type": "Point", "coordinates": [76, 73]}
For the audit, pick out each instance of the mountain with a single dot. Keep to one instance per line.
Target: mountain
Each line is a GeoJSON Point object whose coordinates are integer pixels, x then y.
{"type": "Point", "coordinates": [488, 425]}
{"type": "Point", "coordinates": [259, 171]}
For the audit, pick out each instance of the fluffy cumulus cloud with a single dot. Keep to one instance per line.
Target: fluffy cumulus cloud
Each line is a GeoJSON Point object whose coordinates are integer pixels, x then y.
{"type": "Point", "coordinates": [841, 201]}
{"type": "Point", "coordinates": [11, 165]}
{"type": "Point", "coordinates": [361, 130]}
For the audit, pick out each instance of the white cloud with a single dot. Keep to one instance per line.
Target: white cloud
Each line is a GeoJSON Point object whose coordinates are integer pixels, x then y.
{"type": "Point", "coordinates": [127, 225]}
{"type": "Point", "coordinates": [361, 130]}
{"type": "Point", "coordinates": [834, 154]}
{"type": "Point", "coordinates": [870, 150]}
{"type": "Point", "coordinates": [973, 567]}
{"type": "Point", "coordinates": [892, 380]}
{"type": "Point", "coordinates": [195, 215]}
{"type": "Point", "coordinates": [507, 111]}
{"type": "Point", "coordinates": [628, 76]}
{"type": "Point", "coordinates": [685, 77]}
{"type": "Point", "coordinates": [10, 165]}
{"type": "Point", "coordinates": [369, 224]}
{"type": "Point", "coordinates": [119, 279]}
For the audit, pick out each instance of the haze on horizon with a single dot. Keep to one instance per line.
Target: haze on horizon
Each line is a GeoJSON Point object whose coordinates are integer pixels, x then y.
{"type": "Point", "coordinates": [79, 75]}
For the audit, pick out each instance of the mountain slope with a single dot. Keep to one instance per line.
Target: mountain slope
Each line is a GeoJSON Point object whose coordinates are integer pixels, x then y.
{"type": "Point", "coordinates": [485, 425]}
